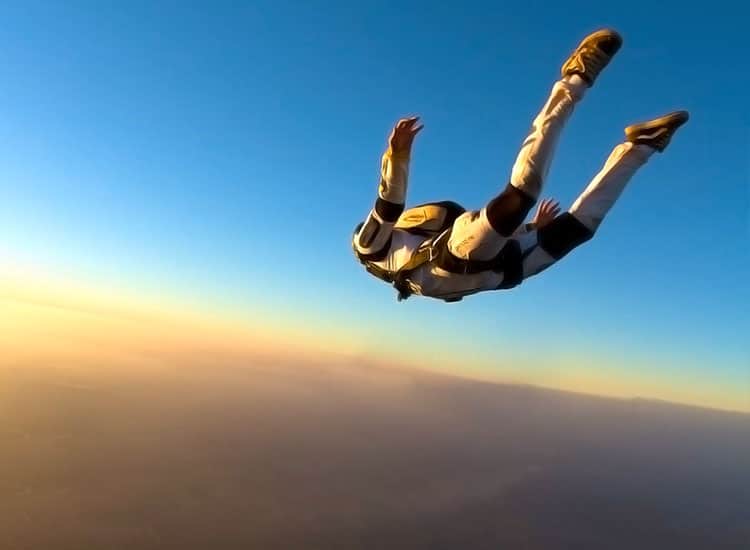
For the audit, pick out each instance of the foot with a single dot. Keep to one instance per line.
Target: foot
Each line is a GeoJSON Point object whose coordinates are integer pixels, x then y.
{"type": "Point", "coordinates": [592, 55]}
{"type": "Point", "coordinates": [656, 133]}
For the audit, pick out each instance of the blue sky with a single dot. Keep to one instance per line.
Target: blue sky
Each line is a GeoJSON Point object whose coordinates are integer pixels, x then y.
{"type": "Point", "coordinates": [223, 152]}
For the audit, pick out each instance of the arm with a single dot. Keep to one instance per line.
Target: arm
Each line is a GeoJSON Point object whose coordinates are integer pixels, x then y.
{"type": "Point", "coordinates": [373, 238]}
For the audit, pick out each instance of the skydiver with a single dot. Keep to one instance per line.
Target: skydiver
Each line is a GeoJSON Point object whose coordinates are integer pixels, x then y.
{"type": "Point", "coordinates": [440, 250]}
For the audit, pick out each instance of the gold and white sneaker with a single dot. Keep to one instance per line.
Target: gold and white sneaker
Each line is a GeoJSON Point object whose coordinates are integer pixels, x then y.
{"type": "Point", "coordinates": [592, 55]}
{"type": "Point", "coordinates": [656, 133]}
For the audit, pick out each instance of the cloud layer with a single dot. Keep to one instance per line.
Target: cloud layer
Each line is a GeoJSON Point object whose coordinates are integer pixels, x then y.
{"type": "Point", "coordinates": [273, 453]}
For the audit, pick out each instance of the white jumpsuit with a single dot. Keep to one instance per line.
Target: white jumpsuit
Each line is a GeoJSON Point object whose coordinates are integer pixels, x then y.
{"type": "Point", "coordinates": [473, 236]}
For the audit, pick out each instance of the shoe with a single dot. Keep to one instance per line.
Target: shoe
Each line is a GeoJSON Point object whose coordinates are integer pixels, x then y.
{"type": "Point", "coordinates": [656, 133]}
{"type": "Point", "coordinates": [592, 55]}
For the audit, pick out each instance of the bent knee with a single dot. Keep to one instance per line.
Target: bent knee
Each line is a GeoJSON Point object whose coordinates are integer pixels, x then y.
{"type": "Point", "coordinates": [507, 211]}
{"type": "Point", "coordinates": [563, 234]}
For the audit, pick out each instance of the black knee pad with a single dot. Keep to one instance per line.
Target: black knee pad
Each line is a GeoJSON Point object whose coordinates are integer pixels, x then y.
{"type": "Point", "coordinates": [562, 235]}
{"type": "Point", "coordinates": [507, 211]}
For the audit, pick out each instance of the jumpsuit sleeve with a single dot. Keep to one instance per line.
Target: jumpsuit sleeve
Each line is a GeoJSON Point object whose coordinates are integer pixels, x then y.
{"type": "Point", "coordinates": [524, 228]}
{"type": "Point", "coordinates": [374, 236]}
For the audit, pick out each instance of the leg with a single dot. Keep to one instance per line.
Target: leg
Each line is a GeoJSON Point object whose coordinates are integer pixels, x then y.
{"type": "Point", "coordinates": [535, 157]}
{"type": "Point", "coordinates": [600, 195]}
{"type": "Point", "coordinates": [579, 224]}
{"type": "Point", "coordinates": [480, 235]}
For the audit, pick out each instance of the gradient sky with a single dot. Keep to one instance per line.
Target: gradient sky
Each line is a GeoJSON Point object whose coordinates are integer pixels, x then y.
{"type": "Point", "coordinates": [219, 155]}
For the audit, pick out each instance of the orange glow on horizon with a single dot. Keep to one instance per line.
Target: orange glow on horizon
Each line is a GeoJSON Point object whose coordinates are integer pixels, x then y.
{"type": "Point", "coordinates": [56, 323]}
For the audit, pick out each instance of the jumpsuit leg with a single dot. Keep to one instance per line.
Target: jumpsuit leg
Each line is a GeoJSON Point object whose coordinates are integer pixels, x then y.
{"type": "Point", "coordinates": [480, 235]}
{"type": "Point", "coordinates": [580, 222]}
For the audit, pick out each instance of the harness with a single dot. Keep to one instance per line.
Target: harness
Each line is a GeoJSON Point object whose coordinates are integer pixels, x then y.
{"type": "Point", "coordinates": [434, 251]}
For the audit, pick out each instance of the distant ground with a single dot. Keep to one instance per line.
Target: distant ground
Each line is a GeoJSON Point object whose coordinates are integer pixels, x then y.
{"type": "Point", "coordinates": [276, 456]}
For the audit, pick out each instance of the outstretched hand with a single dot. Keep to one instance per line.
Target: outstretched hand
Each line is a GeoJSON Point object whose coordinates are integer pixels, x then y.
{"type": "Point", "coordinates": [547, 210]}
{"type": "Point", "coordinates": [403, 134]}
